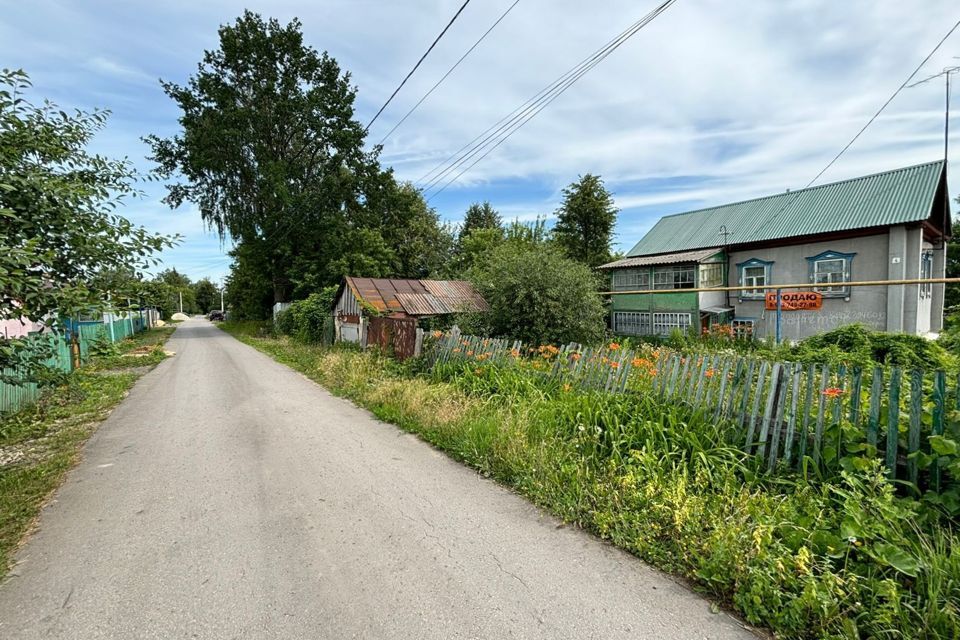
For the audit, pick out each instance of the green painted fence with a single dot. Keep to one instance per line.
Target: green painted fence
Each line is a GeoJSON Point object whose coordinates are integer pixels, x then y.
{"type": "Point", "coordinates": [792, 416]}
{"type": "Point", "coordinates": [16, 394]}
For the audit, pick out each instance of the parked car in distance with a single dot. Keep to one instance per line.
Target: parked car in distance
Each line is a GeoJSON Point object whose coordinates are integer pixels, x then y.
{"type": "Point", "coordinates": [216, 316]}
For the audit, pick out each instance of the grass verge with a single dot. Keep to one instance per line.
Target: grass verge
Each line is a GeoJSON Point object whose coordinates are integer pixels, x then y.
{"type": "Point", "coordinates": [840, 559]}
{"type": "Point", "coordinates": [39, 444]}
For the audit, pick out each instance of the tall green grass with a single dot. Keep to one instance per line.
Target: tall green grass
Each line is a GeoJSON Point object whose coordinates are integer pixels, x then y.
{"type": "Point", "coordinates": [846, 558]}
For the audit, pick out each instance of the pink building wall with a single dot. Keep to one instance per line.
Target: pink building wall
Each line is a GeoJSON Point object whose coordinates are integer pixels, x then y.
{"type": "Point", "coordinates": [18, 328]}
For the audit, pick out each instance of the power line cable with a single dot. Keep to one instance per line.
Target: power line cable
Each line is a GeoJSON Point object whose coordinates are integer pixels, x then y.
{"type": "Point", "coordinates": [451, 70]}
{"type": "Point", "coordinates": [507, 125]}
{"type": "Point", "coordinates": [889, 100]}
{"type": "Point", "coordinates": [494, 136]}
{"type": "Point", "coordinates": [549, 94]}
{"type": "Point", "coordinates": [519, 111]}
{"type": "Point", "coordinates": [511, 132]}
{"type": "Point", "coordinates": [797, 193]}
{"type": "Point", "coordinates": [416, 66]}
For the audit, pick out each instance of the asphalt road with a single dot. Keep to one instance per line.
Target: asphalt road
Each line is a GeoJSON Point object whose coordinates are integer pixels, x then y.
{"type": "Point", "coordinates": [230, 497]}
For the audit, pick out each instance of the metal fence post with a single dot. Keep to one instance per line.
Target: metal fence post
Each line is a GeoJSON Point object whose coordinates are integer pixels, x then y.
{"type": "Point", "coordinates": [779, 315]}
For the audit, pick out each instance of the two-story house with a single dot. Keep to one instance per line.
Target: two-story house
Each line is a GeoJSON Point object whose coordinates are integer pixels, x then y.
{"type": "Point", "coordinates": [886, 226]}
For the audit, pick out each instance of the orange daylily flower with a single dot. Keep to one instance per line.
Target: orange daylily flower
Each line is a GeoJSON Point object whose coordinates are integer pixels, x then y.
{"type": "Point", "coordinates": [833, 392]}
{"type": "Point", "coordinates": [614, 346]}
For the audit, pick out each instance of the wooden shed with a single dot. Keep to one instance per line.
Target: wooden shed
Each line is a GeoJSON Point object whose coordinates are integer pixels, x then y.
{"type": "Point", "coordinates": [360, 298]}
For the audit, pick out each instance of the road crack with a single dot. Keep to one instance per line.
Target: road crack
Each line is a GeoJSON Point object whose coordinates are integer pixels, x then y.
{"type": "Point", "coordinates": [509, 573]}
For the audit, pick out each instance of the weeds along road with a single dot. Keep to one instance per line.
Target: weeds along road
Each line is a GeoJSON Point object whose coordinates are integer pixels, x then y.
{"type": "Point", "coordinates": [229, 497]}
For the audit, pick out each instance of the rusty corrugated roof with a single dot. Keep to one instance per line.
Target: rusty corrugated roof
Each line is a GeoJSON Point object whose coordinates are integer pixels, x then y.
{"type": "Point", "coordinates": [417, 297]}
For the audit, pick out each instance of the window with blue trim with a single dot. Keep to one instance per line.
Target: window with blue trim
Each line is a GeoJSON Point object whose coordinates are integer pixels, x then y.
{"type": "Point", "coordinates": [829, 270]}
{"type": "Point", "coordinates": [754, 273]}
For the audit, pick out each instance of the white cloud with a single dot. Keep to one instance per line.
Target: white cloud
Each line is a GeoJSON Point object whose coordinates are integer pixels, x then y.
{"type": "Point", "coordinates": [714, 101]}
{"type": "Point", "coordinates": [118, 70]}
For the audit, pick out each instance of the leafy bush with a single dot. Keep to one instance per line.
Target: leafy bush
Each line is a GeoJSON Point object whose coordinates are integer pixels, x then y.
{"type": "Point", "coordinates": [861, 343]}
{"type": "Point", "coordinates": [284, 323]}
{"type": "Point", "coordinates": [307, 320]}
{"type": "Point", "coordinates": [537, 295]}
{"type": "Point", "coordinates": [950, 337]}
{"type": "Point", "coordinates": [853, 344]}
{"type": "Point", "coordinates": [103, 347]}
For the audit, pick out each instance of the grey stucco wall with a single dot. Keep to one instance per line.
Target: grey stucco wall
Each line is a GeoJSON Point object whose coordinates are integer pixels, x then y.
{"type": "Point", "coordinates": [911, 292]}
{"type": "Point", "coordinates": [896, 270]}
{"type": "Point", "coordinates": [866, 305]}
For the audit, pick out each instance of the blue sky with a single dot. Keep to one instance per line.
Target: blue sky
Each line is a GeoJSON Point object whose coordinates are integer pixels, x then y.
{"type": "Point", "coordinates": [717, 100]}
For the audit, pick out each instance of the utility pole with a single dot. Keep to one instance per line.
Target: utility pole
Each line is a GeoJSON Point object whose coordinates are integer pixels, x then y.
{"type": "Point", "coordinates": [221, 297]}
{"type": "Point", "coordinates": [181, 301]}
{"type": "Point", "coordinates": [946, 73]}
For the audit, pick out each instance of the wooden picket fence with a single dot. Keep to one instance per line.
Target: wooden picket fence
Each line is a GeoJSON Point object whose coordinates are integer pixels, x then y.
{"type": "Point", "coordinates": [791, 412]}
{"type": "Point", "coordinates": [17, 393]}
{"type": "Point", "coordinates": [15, 396]}
{"type": "Point", "coordinates": [790, 415]}
{"type": "Point", "coordinates": [590, 367]}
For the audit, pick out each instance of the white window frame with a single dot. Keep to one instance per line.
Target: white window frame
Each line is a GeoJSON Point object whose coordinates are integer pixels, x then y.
{"type": "Point", "coordinates": [926, 272]}
{"type": "Point", "coordinates": [631, 279]}
{"type": "Point", "coordinates": [665, 322]}
{"type": "Point", "coordinates": [711, 270]}
{"type": "Point", "coordinates": [826, 282]}
{"type": "Point", "coordinates": [757, 281]}
{"type": "Point", "coordinates": [831, 278]}
{"type": "Point", "coordinates": [632, 323]}
{"type": "Point", "coordinates": [675, 277]}
{"type": "Point", "coordinates": [743, 328]}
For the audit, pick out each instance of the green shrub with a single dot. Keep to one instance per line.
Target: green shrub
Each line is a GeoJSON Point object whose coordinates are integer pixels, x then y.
{"type": "Point", "coordinates": [537, 295]}
{"type": "Point", "coordinates": [284, 323]}
{"type": "Point", "coordinates": [308, 320]}
{"type": "Point", "coordinates": [853, 344]}
{"type": "Point", "coordinates": [950, 336]}
{"type": "Point", "coordinates": [103, 347]}
{"type": "Point", "coordinates": [866, 345]}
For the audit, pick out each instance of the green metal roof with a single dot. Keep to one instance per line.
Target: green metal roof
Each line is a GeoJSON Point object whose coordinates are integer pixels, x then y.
{"type": "Point", "coordinates": [882, 199]}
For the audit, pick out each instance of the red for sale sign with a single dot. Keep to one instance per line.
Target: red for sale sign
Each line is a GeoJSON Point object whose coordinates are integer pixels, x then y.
{"type": "Point", "coordinates": [794, 301]}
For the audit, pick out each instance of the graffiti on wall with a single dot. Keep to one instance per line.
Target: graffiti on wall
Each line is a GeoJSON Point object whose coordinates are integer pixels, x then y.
{"type": "Point", "coordinates": [817, 321]}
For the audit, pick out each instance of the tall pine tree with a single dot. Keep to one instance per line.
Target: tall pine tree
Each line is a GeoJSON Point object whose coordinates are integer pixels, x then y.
{"type": "Point", "coordinates": [585, 221]}
{"type": "Point", "coordinates": [480, 215]}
